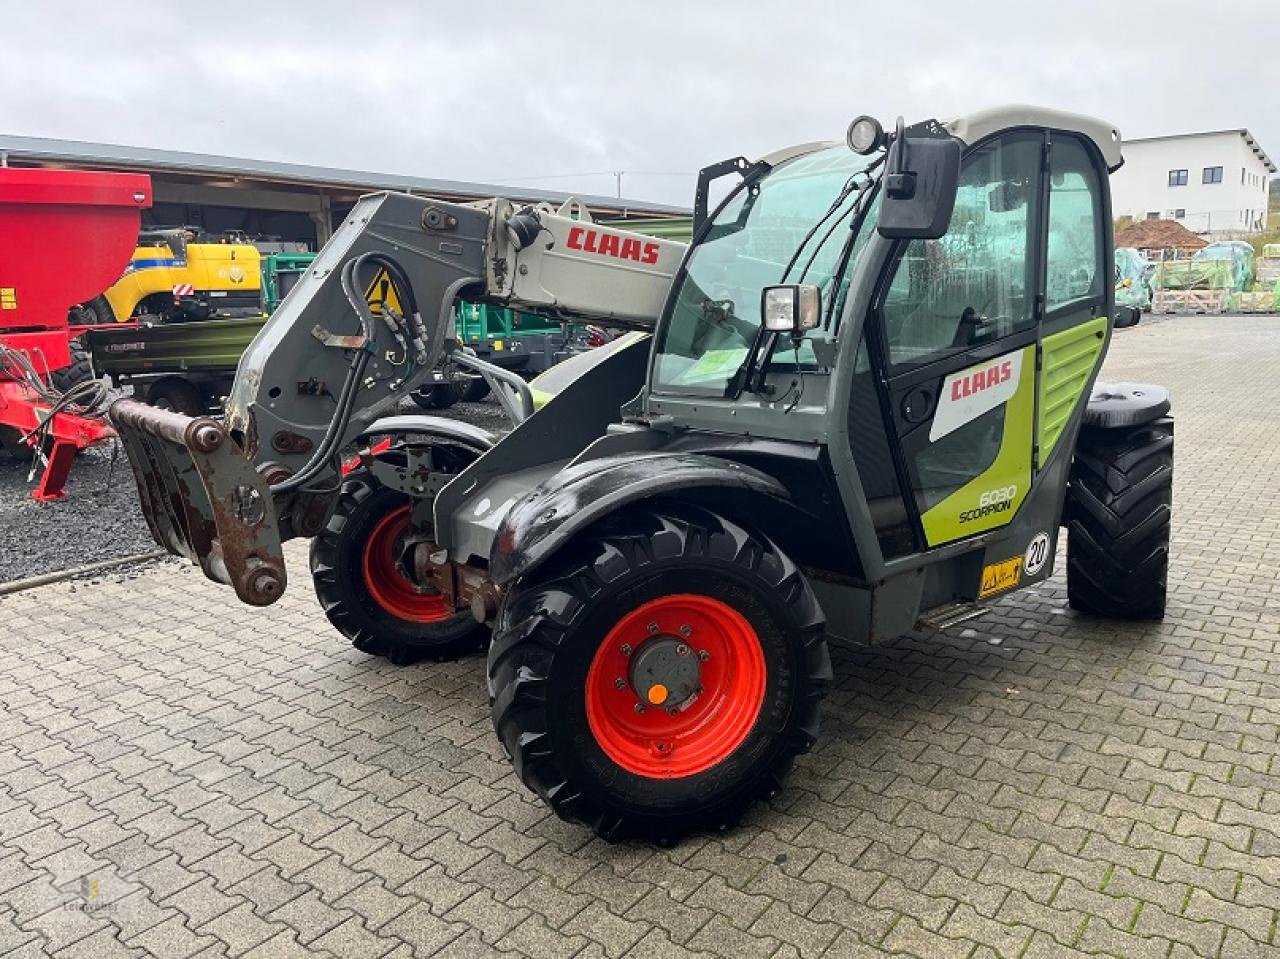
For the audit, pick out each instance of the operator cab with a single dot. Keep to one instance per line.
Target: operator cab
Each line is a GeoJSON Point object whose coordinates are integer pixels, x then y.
{"type": "Point", "coordinates": [924, 306]}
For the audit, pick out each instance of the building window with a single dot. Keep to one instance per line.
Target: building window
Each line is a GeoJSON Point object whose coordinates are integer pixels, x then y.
{"type": "Point", "coordinates": [1212, 174]}
{"type": "Point", "coordinates": [1179, 214]}
{"type": "Point", "coordinates": [1178, 178]}
{"type": "Point", "coordinates": [1153, 215]}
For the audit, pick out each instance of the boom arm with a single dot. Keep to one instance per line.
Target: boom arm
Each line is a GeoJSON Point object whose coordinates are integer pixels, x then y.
{"type": "Point", "coordinates": [362, 328]}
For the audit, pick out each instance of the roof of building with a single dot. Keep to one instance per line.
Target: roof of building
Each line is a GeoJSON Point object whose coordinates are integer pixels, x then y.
{"type": "Point", "coordinates": [146, 159]}
{"type": "Point", "coordinates": [1249, 140]}
{"type": "Point", "coordinates": [1159, 235]}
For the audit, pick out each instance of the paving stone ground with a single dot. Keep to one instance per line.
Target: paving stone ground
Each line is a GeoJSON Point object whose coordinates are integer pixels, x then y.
{"type": "Point", "coordinates": [181, 775]}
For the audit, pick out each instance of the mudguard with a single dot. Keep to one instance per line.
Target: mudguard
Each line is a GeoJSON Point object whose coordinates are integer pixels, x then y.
{"type": "Point", "coordinates": [546, 518]}
{"type": "Point", "coordinates": [455, 431]}
{"type": "Point", "coordinates": [1114, 405]}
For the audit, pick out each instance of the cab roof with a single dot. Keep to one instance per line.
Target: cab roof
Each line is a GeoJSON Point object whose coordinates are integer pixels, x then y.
{"type": "Point", "coordinates": [973, 127]}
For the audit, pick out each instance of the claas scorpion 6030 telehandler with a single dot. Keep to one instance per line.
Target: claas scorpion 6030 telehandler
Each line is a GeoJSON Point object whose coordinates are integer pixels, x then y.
{"type": "Point", "coordinates": [865, 404]}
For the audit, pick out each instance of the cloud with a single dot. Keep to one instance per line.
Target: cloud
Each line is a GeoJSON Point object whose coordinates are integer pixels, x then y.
{"type": "Point", "coordinates": [501, 91]}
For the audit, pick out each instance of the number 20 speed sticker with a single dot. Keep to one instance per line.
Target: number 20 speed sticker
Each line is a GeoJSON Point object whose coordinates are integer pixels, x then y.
{"type": "Point", "coordinates": [1037, 554]}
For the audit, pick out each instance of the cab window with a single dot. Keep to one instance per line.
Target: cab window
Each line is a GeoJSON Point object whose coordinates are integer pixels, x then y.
{"type": "Point", "coordinates": [1073, 267]}
{"type": "Point", "coordinates": [976, 284]}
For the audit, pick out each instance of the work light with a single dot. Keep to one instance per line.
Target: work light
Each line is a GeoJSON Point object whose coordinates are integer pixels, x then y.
{"type": "Point", "coordinates": [791, 309]}
{"type": "Point", "coordinates": [865, 135]}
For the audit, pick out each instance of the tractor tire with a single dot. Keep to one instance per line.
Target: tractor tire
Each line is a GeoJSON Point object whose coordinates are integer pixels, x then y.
{"type": "Point", "coordinates": [177, 394]}
{"type": "Point", "coordinates": [687, 604]}
{"type": "Point", "coordinates": [1119, 505]}
{"type": "Point", "coordinates": [365, 595]}
{"type": "Point", "coordinates": [477, 389]}
{"type": "Point", "coordinates": [79, 370]}
{"type": "Point", "coordinates": [95, 312]}
{"type": "Point", "coordinates": [439, 397]}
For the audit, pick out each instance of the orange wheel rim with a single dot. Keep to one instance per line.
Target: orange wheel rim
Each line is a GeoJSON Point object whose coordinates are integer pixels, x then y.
{"type": "Point", "coordinates": [388, 586]}
{"type": "Point", "coordinates": [660, 729]}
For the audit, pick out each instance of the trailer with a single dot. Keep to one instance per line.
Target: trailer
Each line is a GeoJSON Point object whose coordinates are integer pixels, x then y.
{"type": "Point", "coordinates": [92, 219]}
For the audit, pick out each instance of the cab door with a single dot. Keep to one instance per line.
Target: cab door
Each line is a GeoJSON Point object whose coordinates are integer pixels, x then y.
{"type": "Point", "coordinates": [955, 343]}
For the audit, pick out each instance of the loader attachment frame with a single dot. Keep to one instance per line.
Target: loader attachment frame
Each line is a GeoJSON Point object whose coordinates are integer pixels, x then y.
{"type": "Point", "coordinates": [203, 499]}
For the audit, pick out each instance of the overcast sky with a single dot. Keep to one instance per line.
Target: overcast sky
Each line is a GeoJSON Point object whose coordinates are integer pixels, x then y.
{"type": "Point", "coordinates": [558, 94]}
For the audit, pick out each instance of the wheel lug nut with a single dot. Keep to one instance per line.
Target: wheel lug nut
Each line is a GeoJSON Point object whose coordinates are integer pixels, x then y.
{"type": "Point", "coordinates": [619, 683]}
{"type": "Point", "coordinates": [672, 711]}
{"type": "Point", "coordinates": [653, 627]}
{"type": "Point", "coordinates": [703, 655]}
{"type": "Point", "coordinates": [682, 649]}
{"type": "Point", "coordinates": [639, 708]}
{"type": "Point", "coordinates": [686, 631]}
{"type": "Point", "coordinates": [626, 649]}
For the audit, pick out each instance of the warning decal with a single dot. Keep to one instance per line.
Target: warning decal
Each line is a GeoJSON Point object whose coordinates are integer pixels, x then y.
{"type": "Point", "coordinates": [998, 577]}
{"type": "Point", "coordinates": [382, 291]}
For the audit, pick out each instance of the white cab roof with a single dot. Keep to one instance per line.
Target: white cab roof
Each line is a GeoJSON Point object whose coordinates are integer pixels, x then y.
{"type": "Point", "coordinates": [974, 126]}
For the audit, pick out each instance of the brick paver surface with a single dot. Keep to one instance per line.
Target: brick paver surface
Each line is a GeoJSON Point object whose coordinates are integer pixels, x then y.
{"type": "Point", "coordinates": [181, 775]}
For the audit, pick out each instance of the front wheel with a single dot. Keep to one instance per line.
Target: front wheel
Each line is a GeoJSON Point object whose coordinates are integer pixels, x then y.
{"type": "Point", "coordinates": [660, 676]}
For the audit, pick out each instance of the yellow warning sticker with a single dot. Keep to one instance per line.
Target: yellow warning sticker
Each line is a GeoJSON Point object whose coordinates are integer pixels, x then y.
{"type": "Point", "coordinates": [8, 298]}
{"type": "Point", "coordinates": [998, 577]}
{"type": "Point", "coordinates": [382, 291]}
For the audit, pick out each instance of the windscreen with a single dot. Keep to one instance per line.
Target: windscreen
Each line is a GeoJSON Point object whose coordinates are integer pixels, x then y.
{"type": "Point", "coordinates": [791, 227]}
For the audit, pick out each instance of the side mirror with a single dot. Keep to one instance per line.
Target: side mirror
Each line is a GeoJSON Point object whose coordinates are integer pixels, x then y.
{"type": "Point", "coordinates": [791, 309]}
{"type": "Point", "coordinates": [1126, 316]}
{"type": "Point", "coordinates": [920, 183]}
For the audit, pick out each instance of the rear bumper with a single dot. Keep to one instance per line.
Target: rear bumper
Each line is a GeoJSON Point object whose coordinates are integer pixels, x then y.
{"type": "Point", "coordinates": [202, 499]}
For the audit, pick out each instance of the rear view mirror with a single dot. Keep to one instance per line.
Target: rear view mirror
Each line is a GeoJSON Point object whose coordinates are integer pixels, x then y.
{"type": "Point", "coordinates": [1126, 316]}
{"type": "Point", "coordinates": [922, 174]}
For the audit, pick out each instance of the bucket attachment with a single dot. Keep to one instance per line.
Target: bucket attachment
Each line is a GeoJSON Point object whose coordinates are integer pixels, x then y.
{"type": "Point", "coordinates": [203, 499]}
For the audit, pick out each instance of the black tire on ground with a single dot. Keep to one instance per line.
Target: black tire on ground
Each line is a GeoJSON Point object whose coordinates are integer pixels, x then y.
{"type": "Point", "coordinates": [1119, 504]}
{"type": "Point", "coordinates": [342, 579]}
{"type": "Point", "coordinates": [441, 396]}
{"type": "Point", "coordinates": [554, 621]}
{"type": "Point", "coordinates": [11, 445]}
{"type": "Point", "coordinates": [93, 313]}
{"type": "Point", "coordinates": [177, 394]}
{"type": "Point", "coordinates": [80, 369]}
{"type": "Point", "coordinates": [477, 389]}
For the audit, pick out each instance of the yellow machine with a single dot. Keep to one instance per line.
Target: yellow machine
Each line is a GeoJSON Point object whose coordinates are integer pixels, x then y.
{"type": "Point", "coordinates": [175, 276]}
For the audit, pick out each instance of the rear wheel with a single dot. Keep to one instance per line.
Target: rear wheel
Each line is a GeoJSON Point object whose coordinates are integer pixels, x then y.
{"type": "Point", "coordinates": [175, 393]}
{"type": "Point", "coordinates": [78, 371]}
{"type": "Point", "coordinates": [441, 396]}
{"type": "Point", "coordinates": [1119, 505]}
{"type": "Point", "coordinates": [95, 312]}
{"type": "Point", "coordinates": [357, 566]}
{"type": "Point", "coordinates": [477, 389]}
{"type": "Point", "coordinates": [660, 676]}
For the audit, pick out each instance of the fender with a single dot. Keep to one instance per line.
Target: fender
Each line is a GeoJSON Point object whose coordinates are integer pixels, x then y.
{"type": "Point", "coordinates": [1119, 405]}
{"type": "Point", "coordinates": [452, 431]}
{"type": "Point", "coordinates": [551, 514]}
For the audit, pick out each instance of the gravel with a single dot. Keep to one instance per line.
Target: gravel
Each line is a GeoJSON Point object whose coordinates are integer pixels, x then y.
{"type": "Point", "coordinates": [100, 518]}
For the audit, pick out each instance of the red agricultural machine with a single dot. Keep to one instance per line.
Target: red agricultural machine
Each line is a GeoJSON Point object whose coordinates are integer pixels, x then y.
{"type": "Point", "coordinates": [65, 236]}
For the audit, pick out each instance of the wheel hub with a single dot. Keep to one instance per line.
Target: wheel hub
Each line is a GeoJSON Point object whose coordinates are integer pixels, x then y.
{"type": "Point", "coordinates": [665, 673]}
{"type": "Point", "coordinates": [675, 686]}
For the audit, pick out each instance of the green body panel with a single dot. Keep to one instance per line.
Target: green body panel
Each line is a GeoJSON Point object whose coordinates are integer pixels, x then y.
{"type": "Point", "coordinates": [210, 345]}
{"type": "Point", "coordinates": [278, 269]}
{"type": "Point", "coordinates": [1068, 361]}
{"type": "Point", "coordinates": [1010, 468]}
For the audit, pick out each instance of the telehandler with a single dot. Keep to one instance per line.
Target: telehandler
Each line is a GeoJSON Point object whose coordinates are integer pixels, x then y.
{"type": "Point", "coordinates": [865, 406]}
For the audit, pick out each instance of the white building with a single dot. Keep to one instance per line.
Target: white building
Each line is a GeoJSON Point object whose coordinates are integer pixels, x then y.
{"type": "Point", "coordinates": [1209, 182]}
